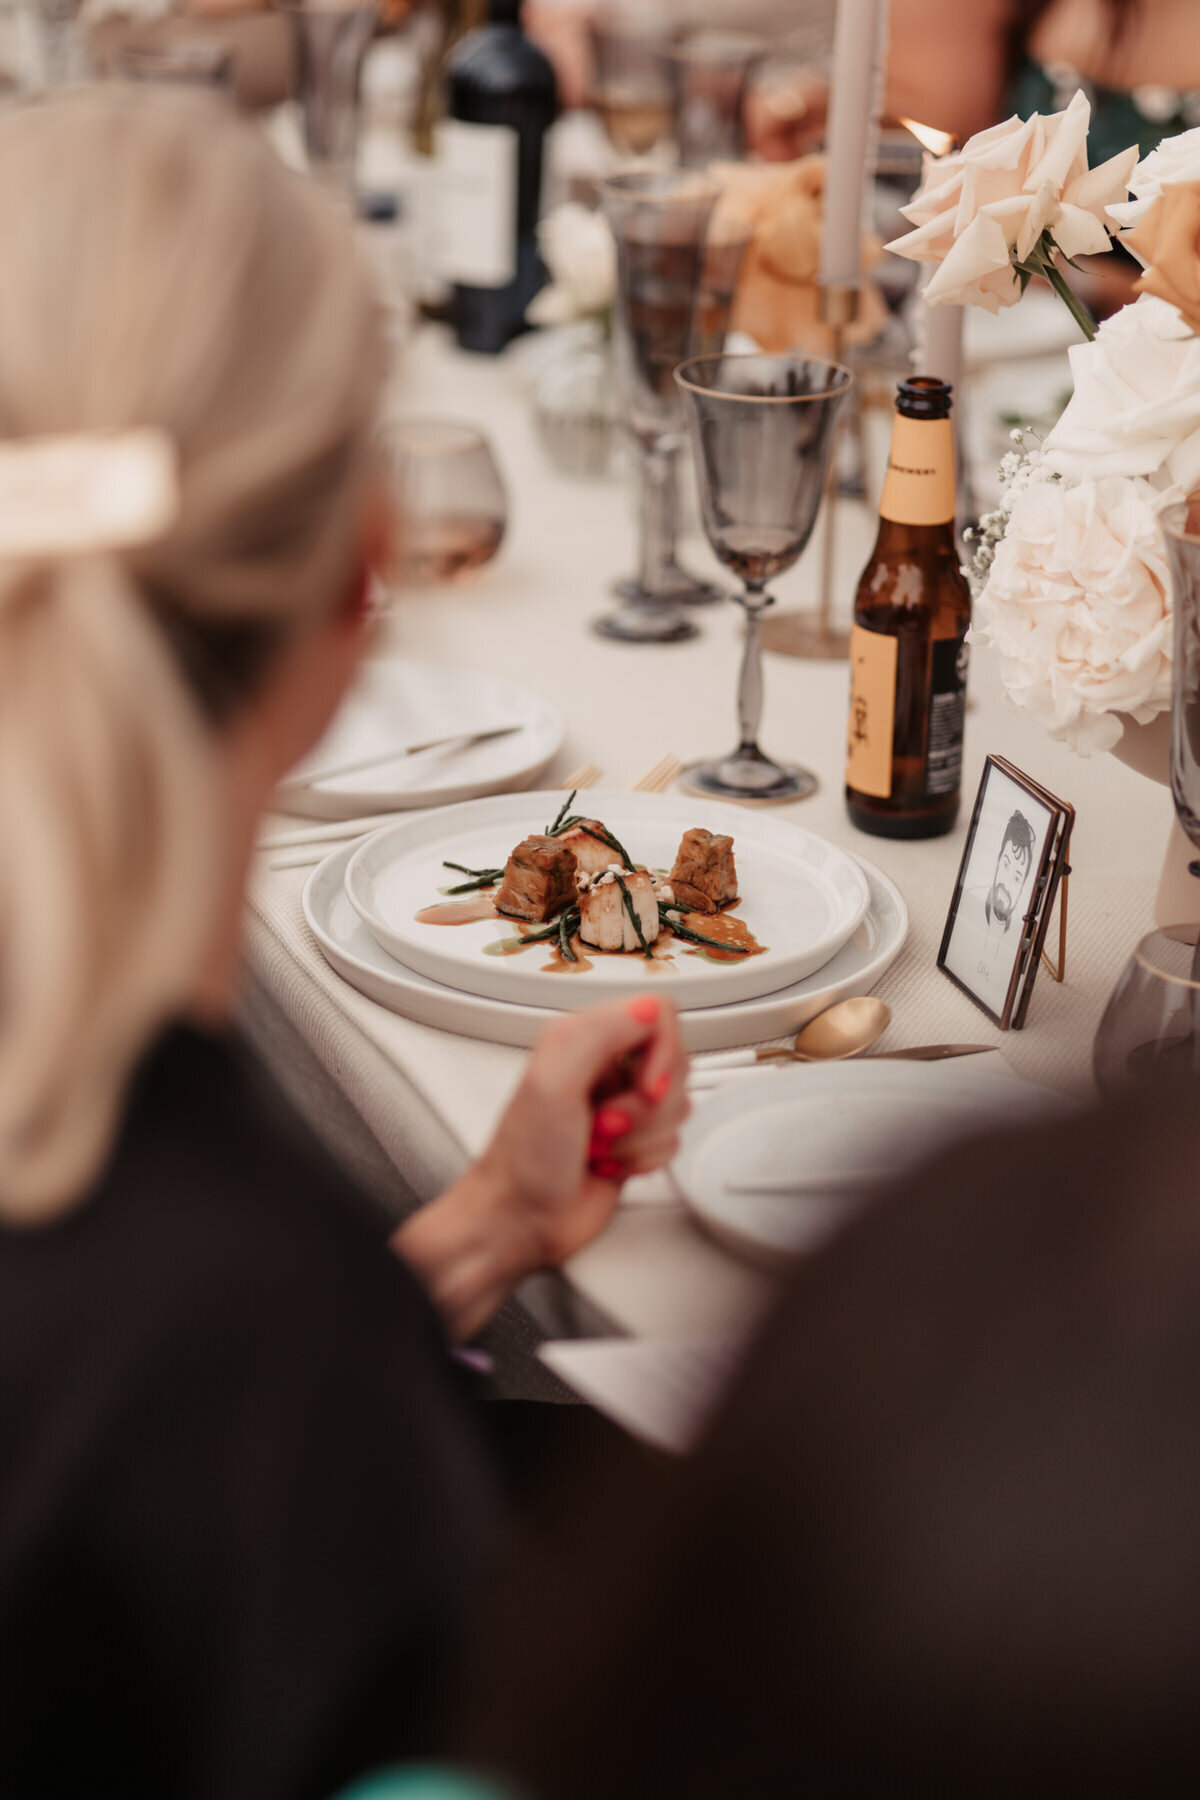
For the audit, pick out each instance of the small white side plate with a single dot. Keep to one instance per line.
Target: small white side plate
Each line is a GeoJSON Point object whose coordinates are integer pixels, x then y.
{"type": "Point", "coordinates": [808, 1131]}
{"type": "Point", "coordinates": [394, 700]}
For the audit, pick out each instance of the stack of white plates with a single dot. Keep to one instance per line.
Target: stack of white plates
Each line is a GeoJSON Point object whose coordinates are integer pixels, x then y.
{"type": "Point", "coordinates": [829, 925]}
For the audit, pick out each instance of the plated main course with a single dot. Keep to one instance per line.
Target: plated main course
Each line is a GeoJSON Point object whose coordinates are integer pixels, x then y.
{"type": "Point", "coordinates": [575, 886]}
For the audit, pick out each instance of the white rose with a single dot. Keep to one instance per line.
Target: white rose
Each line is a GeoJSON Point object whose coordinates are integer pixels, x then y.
{"type": "Point", "coordinates": [1136, 405]}
{"type": "Point", "coordinates": [982, 209]}
{"type": "Point", "coordinates": [1175, 159]}
{"type": "Point", "coordinates": [1078, 609]}
{"type": "Point", "coordinates": [578, 248]}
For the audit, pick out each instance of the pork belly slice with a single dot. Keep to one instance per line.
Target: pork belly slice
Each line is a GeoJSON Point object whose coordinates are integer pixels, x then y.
{"type": "Point", "coordinates": [539, 880]}
{"type": "Point", "coordinates": [704, 877]}
{"type": "Point", "coordinates": [604, 920]}
{"type": "Point", "coordinates": [591, 856]}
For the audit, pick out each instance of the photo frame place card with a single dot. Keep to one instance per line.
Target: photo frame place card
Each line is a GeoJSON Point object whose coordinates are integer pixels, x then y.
{"type": "Point", "coordinates": [1014, 861]}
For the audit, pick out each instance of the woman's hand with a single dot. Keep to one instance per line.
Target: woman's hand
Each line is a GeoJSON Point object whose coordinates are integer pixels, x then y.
{"type": "Point", "coordinates": [603, 1098]}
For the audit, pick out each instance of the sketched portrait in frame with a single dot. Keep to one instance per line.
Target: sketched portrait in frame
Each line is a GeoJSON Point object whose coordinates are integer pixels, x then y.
{"type": "Point", "coordinates": [1011, 834]}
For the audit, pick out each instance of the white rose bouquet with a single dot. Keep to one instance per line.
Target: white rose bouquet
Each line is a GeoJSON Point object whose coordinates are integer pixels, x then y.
{"type": "Point", "coordinates": [1071, 579]}
{"type": "Point", "coordinates": [1007, 206]}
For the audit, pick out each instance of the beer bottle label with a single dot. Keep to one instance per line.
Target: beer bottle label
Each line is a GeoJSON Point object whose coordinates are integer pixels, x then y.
{"type": "Point", "coordinates": [947, 709]}
{"type": "Point", "coordinates": [918, 488]}
{"type": "Point", "coordinates": [873, 656]}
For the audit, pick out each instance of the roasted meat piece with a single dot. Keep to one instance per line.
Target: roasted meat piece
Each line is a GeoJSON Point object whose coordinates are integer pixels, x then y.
{"type": "Point", "coordinates": [604, 917]}
{"type": "Point", "coordinates": [592, 856]}
{"type": "Point", "coordinates": [704, 877]}
{"type": "Point", "coordinates": [539, 880]}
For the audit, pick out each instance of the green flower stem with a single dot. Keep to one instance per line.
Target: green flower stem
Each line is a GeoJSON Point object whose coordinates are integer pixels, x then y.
{"type": "Point", "coordinates": [1040, 261]}
{"type": "Point", "coordinates": [1070, 300]}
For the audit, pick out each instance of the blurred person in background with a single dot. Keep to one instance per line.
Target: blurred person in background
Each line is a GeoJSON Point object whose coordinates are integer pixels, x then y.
{"type": "Point", "coordinates": [964, 68]}
{"type": "Point", "coordinates": [243, 1513]}
{"type": "Point", "coordinates": [941, 1538]}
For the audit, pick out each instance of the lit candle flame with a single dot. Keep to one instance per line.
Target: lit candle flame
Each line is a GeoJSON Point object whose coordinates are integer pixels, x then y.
{"type": "Point", "coordinates": [935, 141]}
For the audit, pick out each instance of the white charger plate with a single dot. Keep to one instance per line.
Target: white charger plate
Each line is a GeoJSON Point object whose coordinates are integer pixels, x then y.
{"type": "Point", "coordinates": [353, 953]}
{"type": "Point", "coordinates": [403, 698]}
{"type": "Point", "coordinates": [833, 1130]}
{"type": "Point", "coordinates": [801, 896]}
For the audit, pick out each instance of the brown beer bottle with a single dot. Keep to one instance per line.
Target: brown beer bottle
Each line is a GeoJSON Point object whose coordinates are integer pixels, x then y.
{"type": "Point", "coordinates": [908, 658]}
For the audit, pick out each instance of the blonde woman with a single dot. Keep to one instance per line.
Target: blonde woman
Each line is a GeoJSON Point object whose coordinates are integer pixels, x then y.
{"type": "Point", "coordinates": [241, 1513]}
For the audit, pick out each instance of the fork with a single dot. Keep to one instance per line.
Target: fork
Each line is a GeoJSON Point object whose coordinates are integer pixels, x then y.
{"type": "Point", "coordinates": [305, 850]}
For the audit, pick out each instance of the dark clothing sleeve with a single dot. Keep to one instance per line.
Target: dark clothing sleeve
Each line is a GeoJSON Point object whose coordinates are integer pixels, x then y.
{"type": "Point", "coordinates": [242, 1513]}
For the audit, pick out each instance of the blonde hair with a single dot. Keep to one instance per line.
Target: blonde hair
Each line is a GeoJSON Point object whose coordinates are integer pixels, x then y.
{"type": "Point", "coordinates": [161, 268]}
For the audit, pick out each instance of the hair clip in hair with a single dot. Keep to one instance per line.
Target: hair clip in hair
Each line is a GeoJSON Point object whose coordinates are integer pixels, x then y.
{"type": "Point", "coordinates": [87, 492]}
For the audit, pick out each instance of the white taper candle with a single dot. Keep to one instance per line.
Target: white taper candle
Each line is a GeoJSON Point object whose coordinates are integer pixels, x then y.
{"type": "Point", "coordinates": [939, 344]}
{"type": "Point", "coordinates": [854, 97]}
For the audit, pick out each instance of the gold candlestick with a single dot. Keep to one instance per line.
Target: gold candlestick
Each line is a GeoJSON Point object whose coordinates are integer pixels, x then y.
{"type": "Point", "coordinates": [814, 635]}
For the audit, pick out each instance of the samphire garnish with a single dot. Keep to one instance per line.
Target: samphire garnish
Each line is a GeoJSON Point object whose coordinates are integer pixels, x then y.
{"type": "Point", "coordinates": [567, 821]}
{"type": "Point", "coordinates": [694, 937]}
{"type": "Point", "coordinates": [568, 922]}
{"type": "Point", "coordinates": [480, 878]}
{"type": "Point", "coordinates": [631, 909]}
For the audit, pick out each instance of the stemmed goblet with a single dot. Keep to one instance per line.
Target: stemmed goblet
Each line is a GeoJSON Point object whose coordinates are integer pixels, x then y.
{"type": "Point", "coordinates": [761, 430]}
{"type": "Point", "coordinates": [331, 39]}
{"type": "Point", "coordinates": [631, 88]}
{"type": "Point", "coordinates": [709, 71]}
{"type": "Point", "coordinates": [676, 277]}
{"type": "Point", "coordinates": [1150, 1032]}
{"type": "Point", "coordinates": [1180, 527]}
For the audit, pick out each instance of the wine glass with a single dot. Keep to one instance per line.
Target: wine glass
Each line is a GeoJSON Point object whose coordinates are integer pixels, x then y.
{"type": "Point", "coordinates": [453, 509]}
{"type": "Point", "coordinates": [1180, 527]}
{"type": "Point", "coordinates": [761, 431]}
{"type": "Point", "coordinates": [661, 221]}
{"type": "Point", "coordinates": [709, 70]}
{"type": "Point", "coordinates": [331, 38]}
{"type": "Point", "coordinates": [631, 86]}
{"type": "Point", "coordinates": [1150, 1032]}
{"type": "Point", "coordinates": [662, 576]}
{"type": "Point", "coordinates": [180, 62]}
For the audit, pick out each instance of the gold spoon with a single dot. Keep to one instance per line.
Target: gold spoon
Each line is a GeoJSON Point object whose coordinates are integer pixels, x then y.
{"type": "Point", "coordinates": [845, 1029]}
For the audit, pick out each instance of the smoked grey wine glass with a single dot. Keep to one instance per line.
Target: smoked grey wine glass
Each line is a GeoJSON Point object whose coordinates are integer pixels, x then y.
{"type": "Point", "coordinates": [331, 39]}
{"type": "Point", "coordinates": [1180, 528]}
{"type": "Point", "coordinates": [761, 430]}
{"type": "Point", "coordinates": [660, 220]}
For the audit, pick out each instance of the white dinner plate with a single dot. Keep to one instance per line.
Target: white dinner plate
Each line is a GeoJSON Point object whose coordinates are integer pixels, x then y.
{"type": "Point", "coordinates": [802, 898]}
{"type": "Point", "coordinates": [821, 1134]}
{"type": "Point", "coordinates": [352, 952]}
{"type": "Point", "coordinates": [393, 700]}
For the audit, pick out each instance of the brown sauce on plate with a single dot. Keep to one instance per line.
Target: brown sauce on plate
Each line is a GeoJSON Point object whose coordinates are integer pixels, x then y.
{"type": "Point", "coordinates": [459, 912]}
{"type": "Point", "coordinates": [559, 964]}
{"type": "Point", "coordinates": [724, 928]}
{"type": "Point", "coordinates": [721, 926]}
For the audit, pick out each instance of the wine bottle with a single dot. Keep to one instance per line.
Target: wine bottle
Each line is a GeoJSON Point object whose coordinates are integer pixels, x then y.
{"type": "Point", "coordinates": [908, 655]}
{"type": "Point", "coordinates": [502, 98]}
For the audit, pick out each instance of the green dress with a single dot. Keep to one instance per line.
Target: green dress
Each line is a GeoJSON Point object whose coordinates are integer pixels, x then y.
{"type": "Point", "coordinates": [1142, 116]}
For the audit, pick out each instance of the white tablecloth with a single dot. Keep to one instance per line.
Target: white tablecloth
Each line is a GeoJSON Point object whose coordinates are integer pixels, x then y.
{"type": "Point", "coordinates": [431, 1098]}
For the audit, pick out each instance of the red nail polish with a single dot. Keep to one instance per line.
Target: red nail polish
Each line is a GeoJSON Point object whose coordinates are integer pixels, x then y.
{"type": "Point", "coordinates": [612, 1122]}
{"type": "Point", "coordinates": [645, 1010]}
{"type": "Point", "coordinates": [660, 1088]}
{"type": "Point", "coordinates": [608, 1169]}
